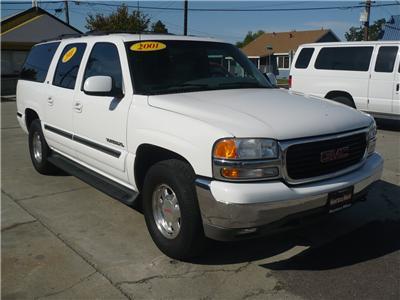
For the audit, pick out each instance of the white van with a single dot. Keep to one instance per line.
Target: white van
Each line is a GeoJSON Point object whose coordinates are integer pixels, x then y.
{"type": "Point", "coordinates": [364, 75]}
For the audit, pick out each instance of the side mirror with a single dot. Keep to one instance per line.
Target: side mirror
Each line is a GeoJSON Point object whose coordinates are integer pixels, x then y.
{"type": "Point", "coordinates": [101, 86]}
{"type": "Point", "coordinates": [271, 78]}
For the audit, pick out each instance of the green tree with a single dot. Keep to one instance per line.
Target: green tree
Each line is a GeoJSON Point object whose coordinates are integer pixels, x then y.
{"type": "Point", "coordinates": [159, 27]}
{"type": "Point", "coordinates": [250, 36]}
{"type": "Point", "coordinates": [357, 33]}
{"type": "Point", "coordinates": [121, 20]}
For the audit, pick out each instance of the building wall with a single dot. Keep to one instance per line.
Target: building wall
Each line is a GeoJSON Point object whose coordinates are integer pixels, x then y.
{"type": "Point", "coordinates": [11, 63]}
{"type": "Point", "coordinates": [17, 41]}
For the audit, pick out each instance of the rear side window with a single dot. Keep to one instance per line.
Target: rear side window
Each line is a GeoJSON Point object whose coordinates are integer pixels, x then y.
{"type": "Point", "coordinates": [344, 58]}
{"type": "Point", "coordinates": [38, 61]}
{"type": "Point", "coordinates": [68, 65]}
{"type": "Point", "coordinates": [104, 61]}
{"type": "Point", "coordinates": [304, 58]}
{"type": "Point", "coordinates": [385, 59]}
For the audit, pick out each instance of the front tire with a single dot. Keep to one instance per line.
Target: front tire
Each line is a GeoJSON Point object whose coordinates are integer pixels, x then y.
{"type": "Point", "coordinates": [171, 209]}
{"type": "Point", "coordinates": [39, 150]}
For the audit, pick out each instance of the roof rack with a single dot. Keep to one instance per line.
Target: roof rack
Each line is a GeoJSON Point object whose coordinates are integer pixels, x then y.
{"type": "Point", "coordinates": [107, 32]}
{"type": "Point", "coordinates": [98, 32]}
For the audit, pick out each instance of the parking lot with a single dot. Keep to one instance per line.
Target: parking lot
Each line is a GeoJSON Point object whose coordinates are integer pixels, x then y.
{"type": "Point", "coordinates": [63, 239]}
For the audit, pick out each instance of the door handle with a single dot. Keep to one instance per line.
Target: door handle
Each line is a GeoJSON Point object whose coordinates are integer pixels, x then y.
{"type": "Point", "coordinates": [50, 101]}
{"type": "Point", "coordinates": [397, 87]}
{"type": "Point", "coordinates": [78, 107]}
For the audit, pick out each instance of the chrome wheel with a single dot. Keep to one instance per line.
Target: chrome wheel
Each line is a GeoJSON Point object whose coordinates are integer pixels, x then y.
{"type": "Point", "coordinates": [166, 211]}
{"type": "Point", "coordinates": [37, 147]}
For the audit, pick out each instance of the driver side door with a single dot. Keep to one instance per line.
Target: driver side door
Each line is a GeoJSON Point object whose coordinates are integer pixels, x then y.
{"type": "Point", "coordinates": [100, 121]}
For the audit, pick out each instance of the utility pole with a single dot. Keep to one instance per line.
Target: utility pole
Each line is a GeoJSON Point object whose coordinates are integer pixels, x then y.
{"type": "Point", "coordinates": [66, 10]}
{"type": "Point", "coordinates": [366, 23]}
{"type": "Point", "coordinates": [185, 18]}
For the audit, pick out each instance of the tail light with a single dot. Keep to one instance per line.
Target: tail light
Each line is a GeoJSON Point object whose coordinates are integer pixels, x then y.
{"type": "Point", "coordinates": [290, 81]}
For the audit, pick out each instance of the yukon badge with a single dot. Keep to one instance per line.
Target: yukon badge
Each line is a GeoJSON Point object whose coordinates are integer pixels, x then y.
{"type": "Point", "coordinates": [334, 154]}
{"type": "Point", "coordinates": [115, 142]}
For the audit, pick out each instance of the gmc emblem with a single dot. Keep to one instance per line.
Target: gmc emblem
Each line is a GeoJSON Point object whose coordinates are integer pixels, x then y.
{"type": "Point", "coordinates": [334, 154]}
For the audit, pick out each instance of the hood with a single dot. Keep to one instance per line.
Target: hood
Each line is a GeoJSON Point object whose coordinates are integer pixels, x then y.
{"type": "Point", "coordinates": [272, 113]}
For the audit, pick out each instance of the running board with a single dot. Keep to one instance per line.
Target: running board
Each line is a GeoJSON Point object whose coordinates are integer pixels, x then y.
{"type": "Point", "coordinates": [100, 182]}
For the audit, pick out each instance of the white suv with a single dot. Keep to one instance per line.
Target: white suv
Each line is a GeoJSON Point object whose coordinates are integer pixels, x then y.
{"type": "Point", "coordinates": [363, 75]}
{"type": "Point", "coordinates": [192, 130]}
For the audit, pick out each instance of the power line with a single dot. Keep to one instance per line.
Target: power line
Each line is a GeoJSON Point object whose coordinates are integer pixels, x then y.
{"type": "Point", "coordinates": [223, 9]}
{"type": "Point", "coordinates": [247, 9]}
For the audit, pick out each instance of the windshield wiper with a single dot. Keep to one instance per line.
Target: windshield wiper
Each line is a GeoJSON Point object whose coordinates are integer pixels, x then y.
{"type": "Point", "coordinates": [241, 84]}
{"type": "Point", "coordinates": [190, 84]}
{"type": "Point", "coordinates": [184, 87]}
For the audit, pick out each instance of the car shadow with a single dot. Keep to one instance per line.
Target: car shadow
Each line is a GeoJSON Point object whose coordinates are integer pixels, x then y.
{"type": "Point", "coordinates": [374, 233]}
{"type": "Point", "coordinates": [370, 241]}
{"type": "Point", "coordinates": [384, 124]}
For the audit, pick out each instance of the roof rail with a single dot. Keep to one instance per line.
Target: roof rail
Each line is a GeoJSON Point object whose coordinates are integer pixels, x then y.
{"type": "Point", "coordinates": [106, 32]}
{"type": "Point", "coordinates": [98, 32]}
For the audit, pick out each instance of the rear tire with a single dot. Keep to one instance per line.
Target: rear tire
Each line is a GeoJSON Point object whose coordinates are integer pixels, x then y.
{"type": "Point", "coordinates": [171, 209]}
{"type": "Point", "coordinates": [344, 100]}
{"type": "Point", "coordinates": [39, 150]}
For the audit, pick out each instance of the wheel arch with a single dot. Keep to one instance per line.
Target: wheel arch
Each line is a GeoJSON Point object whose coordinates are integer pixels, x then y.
{"type": "Point", "coordinates": [147, 155]}
{"type": "Point", "coordinates": [337, 93]}
{"type": "Point", "coordinates": [30, 116]}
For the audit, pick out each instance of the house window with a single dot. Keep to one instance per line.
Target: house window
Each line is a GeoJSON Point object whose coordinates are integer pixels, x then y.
{"type": "Point", "coordinates": [283, 61]}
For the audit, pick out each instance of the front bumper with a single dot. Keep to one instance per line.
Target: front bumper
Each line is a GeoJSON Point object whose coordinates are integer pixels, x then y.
{"type": "Point", "coordinates": [241, 209]}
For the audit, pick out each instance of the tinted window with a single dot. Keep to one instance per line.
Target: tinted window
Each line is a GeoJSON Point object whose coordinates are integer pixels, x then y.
{"type": "Point", "coordinates": [188, 66]}
{"type": "Point", "coordinates": [304, 58]}
{"type": "Point", "coordinates": [38, 61]}
{"type": "Point", "coordinates": [344, 58]}
{"type": "Point", "coordinates": [68, 65]}
{"type": "Point", "coordinates": [104, 61]}
{"type": "Point", "coordinates": [385, 60]}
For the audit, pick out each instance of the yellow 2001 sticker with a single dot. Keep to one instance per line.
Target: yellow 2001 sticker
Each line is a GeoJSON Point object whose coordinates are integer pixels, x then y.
{"type": "Point", "coordinates": [69, 54]}
{"type": "Point", "coordinates": [148, 46]}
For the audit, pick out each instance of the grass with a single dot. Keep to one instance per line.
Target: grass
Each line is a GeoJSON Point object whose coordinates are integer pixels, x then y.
{"type": "Point", "coordinates": [283, 81]}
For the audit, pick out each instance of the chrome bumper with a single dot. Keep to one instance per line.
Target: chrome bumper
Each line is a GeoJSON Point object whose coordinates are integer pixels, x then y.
{"type": "Point", "coordinates": [243, 207]}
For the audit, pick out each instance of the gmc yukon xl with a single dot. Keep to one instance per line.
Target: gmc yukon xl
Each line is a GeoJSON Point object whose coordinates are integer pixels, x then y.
{"type": "Point", "coordinates": [193, 131]}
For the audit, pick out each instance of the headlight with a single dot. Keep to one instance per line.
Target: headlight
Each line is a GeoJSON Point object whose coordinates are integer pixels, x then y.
{"type": "Point", "coordinates": [371, 138]}
{"type": "Point", "coordinates": [246, 149]}
{"type": "Point", "coordinates": [246, 159]}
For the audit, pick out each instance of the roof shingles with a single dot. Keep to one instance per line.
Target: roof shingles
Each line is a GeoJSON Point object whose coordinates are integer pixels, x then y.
{"type": "Point", "coordinates": [282, 42]}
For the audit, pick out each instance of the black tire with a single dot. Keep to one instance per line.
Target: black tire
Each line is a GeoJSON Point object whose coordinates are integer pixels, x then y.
{"type": "Point", "coordinates": [344, 100]}
{"type": "Point", "coordinates": [43, 166]}
{"type": "Point", "coordinates": [179, 176]}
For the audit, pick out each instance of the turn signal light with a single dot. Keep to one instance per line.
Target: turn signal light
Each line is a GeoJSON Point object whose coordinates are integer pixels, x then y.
{"type": "Point", "coordinates": [225, 149]}
{"type": "Point", "coordinates": [230, 172]}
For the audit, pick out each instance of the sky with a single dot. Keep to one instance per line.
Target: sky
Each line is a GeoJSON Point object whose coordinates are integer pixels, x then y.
{"type": "Point", "coordinates": [228, 26]}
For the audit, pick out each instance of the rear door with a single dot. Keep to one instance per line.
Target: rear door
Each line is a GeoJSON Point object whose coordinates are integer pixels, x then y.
{"type": "Point", "coordinates": [100, 121]}
{"type": "Point", "coordinates": [382, 79]}
{"type": "Point", "coordinates": [58, 127]}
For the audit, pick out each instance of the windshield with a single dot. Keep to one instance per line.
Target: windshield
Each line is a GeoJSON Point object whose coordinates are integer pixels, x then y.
{"type": "Point", "coordinates": [164, 67]}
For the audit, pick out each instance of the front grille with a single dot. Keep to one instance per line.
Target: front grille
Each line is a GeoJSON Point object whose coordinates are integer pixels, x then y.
{"type": "Point", "coordinates": [304, 160]}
